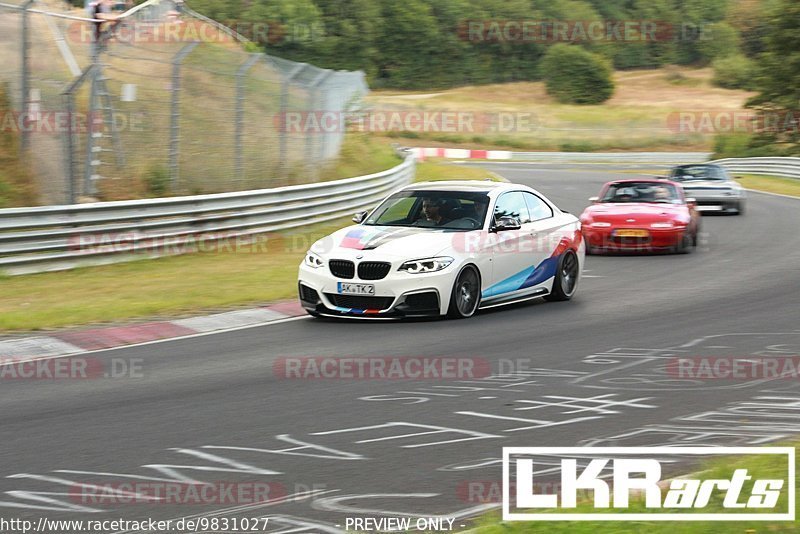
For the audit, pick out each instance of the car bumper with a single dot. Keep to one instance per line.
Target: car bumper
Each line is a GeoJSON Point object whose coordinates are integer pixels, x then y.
{"type": "Point", "coordinates": [657, 239]}
{"type": "Point", "coordinates": [716, 202]}
{"type": "Point", "coordinates": [398, 295]}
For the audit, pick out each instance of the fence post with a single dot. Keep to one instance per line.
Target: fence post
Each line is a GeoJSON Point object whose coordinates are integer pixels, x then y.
{"type": "Point", "coordinates": [286, 81]}
{"type": "Point", "coordinates": [25, 82]}
{"type": "Point", "coordinates": [69, 148]}
{"type": "Point", "coordinates": [175, 113]}
{"type": "Point", "coordinates": [69, 139]}
{"type": "Point", "coordinates": [239, 120]}
{"type": "Point", "coordinates": [89, 176]}
{"type": "Point", "coordinates": [314, 101]}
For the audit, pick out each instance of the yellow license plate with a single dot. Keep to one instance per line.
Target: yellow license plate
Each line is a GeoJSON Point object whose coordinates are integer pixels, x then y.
{"type": "Point", "coordinates": [632, 233]}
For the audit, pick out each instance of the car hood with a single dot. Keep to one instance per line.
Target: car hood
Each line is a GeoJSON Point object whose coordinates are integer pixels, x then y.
{"type": "Point", "coordinates": [386, 242]}
{"type": "Point", "coordinates": [638, 211]}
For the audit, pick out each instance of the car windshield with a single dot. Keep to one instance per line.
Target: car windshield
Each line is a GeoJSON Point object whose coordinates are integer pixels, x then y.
{"type": "Point", "coordinates": [662, 193]}
{"type": "Point", "coordinates": [453, 210]}
{"type": "Point", "coordinates": [697, 172]}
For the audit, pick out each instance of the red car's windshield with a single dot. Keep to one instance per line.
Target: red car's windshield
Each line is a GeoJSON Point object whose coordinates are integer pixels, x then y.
{"type": "Point", "coordinates": [662, 193]}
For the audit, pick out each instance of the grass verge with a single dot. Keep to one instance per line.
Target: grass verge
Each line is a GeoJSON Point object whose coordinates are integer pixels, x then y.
{"type": "Point", "coordinates": [759, 467]}
{"type": "Point", "coordinates": [177, 285]}
{"type": "Point", "coordinates": [770, 184]}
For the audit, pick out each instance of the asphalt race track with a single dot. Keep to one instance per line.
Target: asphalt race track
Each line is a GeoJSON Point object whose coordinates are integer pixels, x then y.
{"type": "Point", "coordinates": [590, 371]}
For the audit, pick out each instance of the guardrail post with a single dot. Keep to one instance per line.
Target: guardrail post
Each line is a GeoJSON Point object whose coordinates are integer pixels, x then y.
{"type": "Point", "coordinates": [175, 113]}
{"type": "Point", "coordinates": [239, 120]}
{"type": "Point", "coordinates": [25, 81]}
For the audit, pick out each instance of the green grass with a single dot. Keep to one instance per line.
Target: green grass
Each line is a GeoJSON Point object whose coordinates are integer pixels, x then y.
{"type": "Point", "coordinates": [428, 171]}
{"type": "Point", "coordinates": [176, 285]}
{"type": "Point", "coordinates": [763, 466]}
{"type": "Point", "coordinates": [770, 184]}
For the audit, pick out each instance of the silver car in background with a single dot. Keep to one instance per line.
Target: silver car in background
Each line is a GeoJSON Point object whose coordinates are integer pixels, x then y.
{"type": "Point", "coordinates": [711, 186]}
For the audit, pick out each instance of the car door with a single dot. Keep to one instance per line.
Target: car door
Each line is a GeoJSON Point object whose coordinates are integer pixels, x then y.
{"type": "Point", "coordinates": [515, 254]}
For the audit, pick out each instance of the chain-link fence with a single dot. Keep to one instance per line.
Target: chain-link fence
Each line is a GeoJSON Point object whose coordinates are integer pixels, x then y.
{"type": "Point", "coordinates": [161, 100]}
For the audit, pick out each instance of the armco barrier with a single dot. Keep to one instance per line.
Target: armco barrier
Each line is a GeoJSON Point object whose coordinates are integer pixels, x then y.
{"type": "Point", "coordinates": [63, 237]}
{"type": "Point", "coordinates": [665, 158]}
{"type": "Point", "coordinates": [787, 167]}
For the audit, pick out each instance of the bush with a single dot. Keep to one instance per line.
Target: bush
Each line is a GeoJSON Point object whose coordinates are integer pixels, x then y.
{"type": "Point", "coordinates": [576, 76]}
{"type": "Point", "coordinates": [742, 145]}
{"type": "Point", "coordinates": [157, 181]}
{"type": "Point", "coordinates": [734, 72]}
{"type": "Point", "coordinates": [719, 40]}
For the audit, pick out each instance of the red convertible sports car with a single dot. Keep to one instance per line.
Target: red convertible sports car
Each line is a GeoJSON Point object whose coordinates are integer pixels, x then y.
{"type": "Point", "coordinates": [641, 215]}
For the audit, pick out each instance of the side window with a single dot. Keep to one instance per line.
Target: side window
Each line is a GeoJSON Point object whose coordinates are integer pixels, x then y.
{"type": "Point", "coordinates": [512, 204]}
{"type": "Point", "coordinates": [537, 207]}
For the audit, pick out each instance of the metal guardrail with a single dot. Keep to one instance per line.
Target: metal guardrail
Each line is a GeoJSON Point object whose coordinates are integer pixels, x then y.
{"type": "Point", "coordinates": [63, 237]}
{"type": "Point", "coordinates": [671, 158]}
{"type": "Point", "coordinates": [787, 167]}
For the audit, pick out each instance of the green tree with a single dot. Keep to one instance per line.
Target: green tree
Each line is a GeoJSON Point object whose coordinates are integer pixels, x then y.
{"type": "Point", "coordinates": [576, 76]}
{"type": "Point", "coordinates": [778, 79]}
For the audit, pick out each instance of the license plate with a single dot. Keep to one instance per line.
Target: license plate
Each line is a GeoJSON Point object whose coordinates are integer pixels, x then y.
{"type": "Point", "coordinates": [708, 208]}
{"type": "Point", "coordinates": [632, 233]}
{"type": "Point", "coordinates": [355, 289]}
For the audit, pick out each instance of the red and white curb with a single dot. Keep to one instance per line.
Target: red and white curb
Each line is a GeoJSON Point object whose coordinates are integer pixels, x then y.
{"type": "Point", "coordinates": [459, 153]}
{"type": "Point", "coordinates": [91, 339]}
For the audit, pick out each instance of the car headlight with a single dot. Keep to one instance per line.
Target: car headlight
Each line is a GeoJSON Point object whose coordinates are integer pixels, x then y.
{"type": "Point", "coordinates": [314, 261]}
{"type": "Point", "coordinates": [600, 225]}
{"type": "Point", "coordinates": [427, 265]}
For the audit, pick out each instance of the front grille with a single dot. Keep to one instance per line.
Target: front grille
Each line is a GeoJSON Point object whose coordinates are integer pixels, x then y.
{"type": "Point", "coordinates": [342, 268]}
{"type": "Point", "coordinates": [308, 295]}
{"type": "Point", "coordinates": [373, 270]}
{"type": "Point", "coordinates": [360, 302]}
{"type": "Point", "coordinates": [631, 240]}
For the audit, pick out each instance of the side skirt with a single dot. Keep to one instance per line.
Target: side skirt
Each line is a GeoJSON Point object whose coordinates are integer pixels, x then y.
{"type": "Point", "coordinates": [530, 296]}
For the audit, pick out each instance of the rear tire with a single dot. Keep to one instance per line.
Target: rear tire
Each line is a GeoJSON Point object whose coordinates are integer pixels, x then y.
{"type": "Point", "coordinates": [565, 282]}
{"type": "Point", "coordinates": [466, 294]}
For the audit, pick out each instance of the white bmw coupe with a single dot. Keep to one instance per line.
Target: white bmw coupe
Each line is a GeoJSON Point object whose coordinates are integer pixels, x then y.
{"type": "Point", "coordinates": [445, 248]}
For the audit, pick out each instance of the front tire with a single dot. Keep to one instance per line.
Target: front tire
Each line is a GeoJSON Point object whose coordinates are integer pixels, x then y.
{"type": "Point", "coordinates": [565, 281]}
{"type": "Point", "coordinates": [684, 246]}
{"type": "Point", "coordinates": [466, 294]}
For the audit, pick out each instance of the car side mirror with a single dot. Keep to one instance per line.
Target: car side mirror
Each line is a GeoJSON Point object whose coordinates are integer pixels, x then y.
{"type": "Point", "coordinates": [360, 216]}
{"type": "Point", "coordinates": [594, 200]}
{"type": "Point", "coordinates": [507, 223]}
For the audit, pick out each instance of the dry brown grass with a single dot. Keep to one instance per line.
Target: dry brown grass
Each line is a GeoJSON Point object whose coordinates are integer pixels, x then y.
{"type": "Point", "coordinates": [636, 117]}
